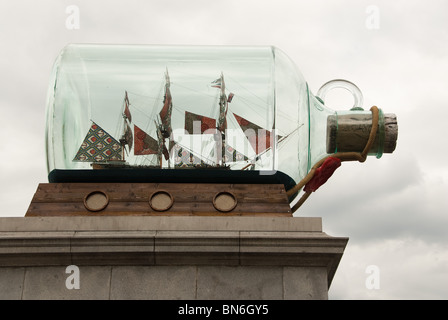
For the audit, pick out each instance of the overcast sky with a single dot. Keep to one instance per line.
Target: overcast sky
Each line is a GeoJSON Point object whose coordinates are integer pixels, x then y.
{"type": "Point", "coordinates": [393, 209]}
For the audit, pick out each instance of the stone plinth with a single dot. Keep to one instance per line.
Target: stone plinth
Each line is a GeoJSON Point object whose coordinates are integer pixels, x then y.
{"type": "Point", "coordinates": [145, 257]}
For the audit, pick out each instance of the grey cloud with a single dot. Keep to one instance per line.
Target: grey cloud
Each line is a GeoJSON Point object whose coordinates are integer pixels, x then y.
{"type": "Point", "coordinates": [401, 67]}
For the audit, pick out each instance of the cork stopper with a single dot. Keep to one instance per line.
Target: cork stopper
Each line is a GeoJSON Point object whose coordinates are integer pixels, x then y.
{"type": "Point", "coordinates": [350, 132]}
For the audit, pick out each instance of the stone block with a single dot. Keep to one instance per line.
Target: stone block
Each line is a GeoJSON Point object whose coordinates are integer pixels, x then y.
{"type": "Point", "coordinates": [305, 283]}
{"type": "Point", "coordinates": [239, 283]}
{"type": "Point", "coordinates": [153, 283]}
{"type": "Point", "coordinates": [11, 283]}
{"type": "Point", "coordinates": [49, 283]}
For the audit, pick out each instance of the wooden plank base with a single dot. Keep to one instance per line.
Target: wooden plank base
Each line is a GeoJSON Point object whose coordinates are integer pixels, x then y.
{"type": "Point", "coordinates": [154, 199]}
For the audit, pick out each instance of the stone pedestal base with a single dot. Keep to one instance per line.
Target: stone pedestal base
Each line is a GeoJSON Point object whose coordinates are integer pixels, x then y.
{"type": "Point", "coordinates": [147, 257]}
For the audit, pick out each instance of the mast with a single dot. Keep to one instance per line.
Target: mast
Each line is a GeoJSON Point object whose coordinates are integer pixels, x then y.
{"type": "Point", "coordinates": [126, 138]}
{"type": "Point", "coordinates": [144, 143]}
{"type": "Point", "coordinates": [164, 129]}
{"type": "Point", "coordinates": [167, 109]}
{"type": "Point", "coordinates": [161, 144]}
{"type": "Point", "coordinates": [222, 121]}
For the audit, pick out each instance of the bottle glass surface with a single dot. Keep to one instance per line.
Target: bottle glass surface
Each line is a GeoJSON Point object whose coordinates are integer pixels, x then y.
{"type": "Point", "coordinates": [181, 113]}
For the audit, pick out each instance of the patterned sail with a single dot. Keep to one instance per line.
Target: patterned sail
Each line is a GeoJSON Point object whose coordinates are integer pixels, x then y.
{"type": "Point", "coordinates": [144, 143]}
{"type": "Point", "coordinates": [259, 138]}
{"type": "Point", "coordinates": [167, 109]}
{"type": "Point", "coordinates": [184, 158]}
{"type": "Point", "coordinates": [206, 123]}
{"type": "Point", "coordinates": [231, 155]}
{"type": "Point", "coordinates": [98, 145]}
{"type": "Point", "coordinates": [127, 136]}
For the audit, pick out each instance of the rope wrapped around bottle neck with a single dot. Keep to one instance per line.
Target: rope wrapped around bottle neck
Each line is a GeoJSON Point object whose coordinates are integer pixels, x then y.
{"type": "Point", "coordinates": [342, 156]}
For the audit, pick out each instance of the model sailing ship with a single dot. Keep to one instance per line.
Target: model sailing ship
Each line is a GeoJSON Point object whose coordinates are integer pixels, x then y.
{"type": "Point", "coordinates": [104, 151]}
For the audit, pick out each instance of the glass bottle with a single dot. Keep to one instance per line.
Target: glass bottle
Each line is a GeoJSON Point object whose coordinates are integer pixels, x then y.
{"type": "Point", "coordinates": [147, 113]}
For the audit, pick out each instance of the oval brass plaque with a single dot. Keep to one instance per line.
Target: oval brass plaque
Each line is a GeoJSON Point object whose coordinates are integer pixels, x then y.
{"type": "Point", "coordinates": [96, 201]}
{"type": "Point", "coordinates": [161, 200]}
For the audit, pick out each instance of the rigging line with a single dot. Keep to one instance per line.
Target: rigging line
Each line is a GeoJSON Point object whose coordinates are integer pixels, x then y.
{"type": "Point", "coordinates": [182, 110]}
{"type": "Point", "coordinates": [154, 106]}
{"type": "Point", "coordinates": [192, 74]}
{"type": "Point", "coordinates": [200, 156]}
{"type": "Point", "coordinates": [245, 101]}
{"type": "Point", "coordinates": [286, 116]}
{"type": "Point", "coordinates": [236, 163]}
{"type": "Point", "coordinates": [149, 116]}
{"type": "Point", "coordinates": [156, 99]}
{"type": "Point", "coordinates": [258, 156]}
{"type": "Point", "coordinates": [250, 103]}
{"type": "Point", "coordinates": [141, 95]}
{"type": "Point", "coordinates": [118, 123]}
{"type": "Point", "coordinates": [238, 126]}
{"type": "Point", "coordinates": [207, 79]}
{"type": "Point", "coordinates": [282, 145]}
{"type": "Point", "coordinates": [214, 108]}
{"type": "Point", "coordinates": [261, 99]}
{"type": "Point", "coordinates": [206, 157]}
{"type": "Point", "coordinates": [160, 87]}
{"type": "Point", "coordinates": [179, 110]}
{"type": "Point", "coordinates": [264, 102]}
{"type": "Point", "coordinates": [255, 111]}
{"type": "Point", "coordinates": [235, 123]}
{"type": "Point", "coordinates": [141, 111]}
{"type": "Point", "coordinates": [194, 90]}
{"type": "Point", "coordinates": [290, 134]}
{"type": "Point", "coordinates": [146, 159]}
{"type": "Point", "coordinates": [120, 126]}
{"type": "Point", "coordinates": [140, 159]}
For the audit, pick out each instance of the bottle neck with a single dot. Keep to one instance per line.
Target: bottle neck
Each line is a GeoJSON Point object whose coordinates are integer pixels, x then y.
{"type": "Point", "coordinates": [348, 131]}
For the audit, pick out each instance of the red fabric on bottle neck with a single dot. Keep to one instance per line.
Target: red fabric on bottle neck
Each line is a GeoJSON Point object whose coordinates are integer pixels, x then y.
{"type": "Point", "coordinates": [322, 174]}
